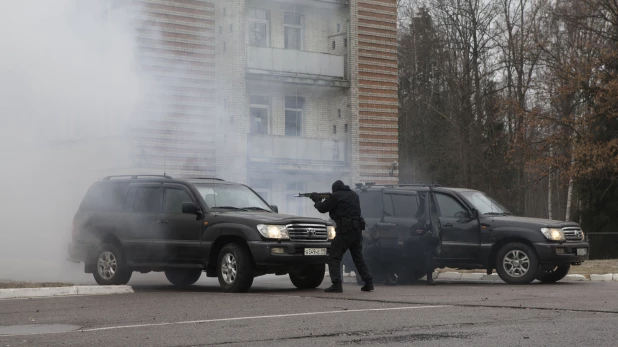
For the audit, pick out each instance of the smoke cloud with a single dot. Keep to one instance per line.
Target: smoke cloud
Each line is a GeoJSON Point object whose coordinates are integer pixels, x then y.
{"type": "Point", "coordinates": [66, 77]}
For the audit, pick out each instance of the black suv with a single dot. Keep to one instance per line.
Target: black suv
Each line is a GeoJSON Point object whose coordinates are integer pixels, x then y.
{"type": "Point", "coordinates": [476, 233]}
{"type": "Point", "coordinates": [186, 226]}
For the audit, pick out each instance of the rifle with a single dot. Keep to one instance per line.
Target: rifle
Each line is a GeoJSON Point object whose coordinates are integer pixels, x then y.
{"type": "Point", "coordinates": [321, 196]}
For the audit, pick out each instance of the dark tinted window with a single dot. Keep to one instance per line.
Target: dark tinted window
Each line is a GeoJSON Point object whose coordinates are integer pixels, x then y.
{"type": "Point", "coordinates": [371, 204]}
{"type": "Point", "coordinates": [449, 207]}
{"type": "Point", "coordinates": [405, 205]}
{"type": "Point", "coordinates": [174, 199]}
{"type": "Point", "coordinates": [105, 197]}
{"type": "Point", "coordinates": [148, 199]}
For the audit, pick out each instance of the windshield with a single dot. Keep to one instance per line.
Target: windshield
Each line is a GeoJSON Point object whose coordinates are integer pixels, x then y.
{"type": "Point", "coordinates": [227, 196]}
{"type": "Point", "coordinates": [484, 204]}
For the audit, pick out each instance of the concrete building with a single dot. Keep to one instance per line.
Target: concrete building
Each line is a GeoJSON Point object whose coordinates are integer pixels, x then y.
{"type": "Point", "coordinates": [284, 95]}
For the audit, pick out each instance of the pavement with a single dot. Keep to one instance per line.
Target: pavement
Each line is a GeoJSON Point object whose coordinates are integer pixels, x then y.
{"type": "Point", "coordinates": [453, 313]}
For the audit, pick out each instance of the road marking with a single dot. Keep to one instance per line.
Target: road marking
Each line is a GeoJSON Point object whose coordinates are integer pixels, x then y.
{"type": "Point", "coordinates": [258, 317]}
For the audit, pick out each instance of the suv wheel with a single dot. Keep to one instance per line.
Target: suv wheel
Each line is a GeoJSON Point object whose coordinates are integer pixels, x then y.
{"type": "Point", "coordinates": [517, 263]}
{"type": "Point", "coordinates": [309, 277]}
{"type": "Point", "coordinates": [235, 268]}
{"type": "Point", "coordinates": [555, 274]}
{"type": "Point", "coordinates": [110, 266]}
{"type": "Point", "coordinates": [183, 277]}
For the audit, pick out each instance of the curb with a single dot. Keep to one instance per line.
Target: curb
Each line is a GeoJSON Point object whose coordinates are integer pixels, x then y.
{"type": "Point", "coordinates": [479, 276]}
{"type": "Point", "coordinates": [19, 293]}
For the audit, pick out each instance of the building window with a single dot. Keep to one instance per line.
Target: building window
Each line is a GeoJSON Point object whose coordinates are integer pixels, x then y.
{"type": "Point", "coordinates": [345, 128]}
{"type": "Point", "coordinates": [293, 31]}
{"type": "Point", "coordinates": [345, 42]}
{"type": "Point", "coordinates": [259, 110]}
{"type": "Point", "coordinates": [339, 112]}
{"type": "Point", "coordinates": [334, 129]}
{"type": "Point", "coordinates": [338, 27]}
{"type": "Point", "coordinates": [294, 115]}
{"type": "Point", "coordinates": [258, 27]}
{"type": "Point", "coordinates": [333, 44]}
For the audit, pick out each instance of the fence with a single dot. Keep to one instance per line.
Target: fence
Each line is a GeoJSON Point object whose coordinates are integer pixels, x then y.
{"type": "Point", "coordinates": [603, 245]}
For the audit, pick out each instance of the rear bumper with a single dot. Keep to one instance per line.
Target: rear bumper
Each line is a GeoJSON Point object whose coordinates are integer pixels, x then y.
{"type": "Point", "coordinates": [293, 253]}
{"type": "Point", "coordinates": [78, 252]}
{"type": "Point", "coordinates": [565, 253]}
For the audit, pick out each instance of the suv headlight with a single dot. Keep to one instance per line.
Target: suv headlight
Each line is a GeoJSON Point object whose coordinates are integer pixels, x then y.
{"type": "Point", "coordinates": [330, 230]}
{"type": "Point", "coordinates": [279, 232]}
{"type": "Point", "coordinates": [554, 234]}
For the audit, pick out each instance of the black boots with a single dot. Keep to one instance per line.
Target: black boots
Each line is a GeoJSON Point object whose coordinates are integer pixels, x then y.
{"type": "Point", "coordinates": [335, 288]}
{"type": "Point", "coordinates": [368, 287]}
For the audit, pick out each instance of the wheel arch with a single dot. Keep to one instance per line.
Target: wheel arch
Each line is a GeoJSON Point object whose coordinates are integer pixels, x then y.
{"type": "Point", "coordinates": [218, 245]}
{"type": "Point", "coordinates": [503, 242]}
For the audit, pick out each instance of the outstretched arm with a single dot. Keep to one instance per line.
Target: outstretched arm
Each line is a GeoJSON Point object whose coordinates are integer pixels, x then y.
{"type": "Point", "coordinates": [325, 205]}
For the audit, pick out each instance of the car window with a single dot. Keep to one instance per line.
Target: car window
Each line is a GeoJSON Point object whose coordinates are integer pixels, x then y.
{"type": "Point", "coordinates": [148, 200]}
{"type": "Point", "coordinates": [228, 195]}
{"type": "Point", "coordinates": [174, 199]}
{"type": "Point", "coordinates": [388, 205]}
{"type": "Point", "coordinates": [448, 206]}
{"type": "Point", "coordinates": [371, 204]}
{"type": "Point", "coordinates": [405, 206]}
{"type": "Point", "coordinates": [105, 197]}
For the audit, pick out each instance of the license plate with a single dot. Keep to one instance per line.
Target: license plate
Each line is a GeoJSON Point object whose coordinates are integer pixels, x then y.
{"type": "Point", "coordinates": [582, 251]}
{"type": "Point", "coordinates": [315, 251]}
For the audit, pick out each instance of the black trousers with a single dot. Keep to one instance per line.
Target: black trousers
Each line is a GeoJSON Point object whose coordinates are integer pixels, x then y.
{"type": "Point", "coordinates": [352, 240]}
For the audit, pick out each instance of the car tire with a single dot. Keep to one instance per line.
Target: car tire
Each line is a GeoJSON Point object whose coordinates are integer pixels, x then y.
{"type": "Point", "coordinates": [235, 268]}
{"type": "Point", "coordinates": [183, 277]}
{"type": "Point", "coordinates": [309, 277]}
{"type": "Point", "coordinates": [556, 274]}
{"type": "Point", "coordinates": [517, 263]}
{"type": "Point", "coordinates": [109, 266]}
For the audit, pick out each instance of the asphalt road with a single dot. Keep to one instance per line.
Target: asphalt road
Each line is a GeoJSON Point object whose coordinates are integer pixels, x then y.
{"type": "Point", "coordinates": [274, 313]}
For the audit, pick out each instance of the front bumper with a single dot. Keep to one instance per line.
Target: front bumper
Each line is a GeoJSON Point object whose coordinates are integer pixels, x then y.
{"type": "Point", "coordinates": [293, 254]}
{"type": "Point", "coordinates": [561, 253]}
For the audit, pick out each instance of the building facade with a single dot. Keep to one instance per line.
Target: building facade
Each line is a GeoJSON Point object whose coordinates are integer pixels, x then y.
{"type": "Point", "coordinates": [284, 95]}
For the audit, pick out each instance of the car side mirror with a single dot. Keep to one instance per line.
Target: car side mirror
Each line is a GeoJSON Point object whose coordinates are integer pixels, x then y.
{"type": "Point", "coordinates": [275, 208]}
{"type": "Point", "coordinates": [190, 208]}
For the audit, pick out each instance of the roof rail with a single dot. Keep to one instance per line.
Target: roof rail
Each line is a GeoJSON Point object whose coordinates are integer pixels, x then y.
{"type": "Point", "coordinates": [203, 178]}
{"type": "Point", "coordinates": [133, 177]}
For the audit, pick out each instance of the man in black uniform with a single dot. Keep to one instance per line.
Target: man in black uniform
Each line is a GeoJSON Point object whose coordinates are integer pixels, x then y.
{"type": "Point", "coordinates": [343, 206]}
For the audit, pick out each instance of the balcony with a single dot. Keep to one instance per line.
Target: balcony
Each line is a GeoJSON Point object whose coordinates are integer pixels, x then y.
{"type": "Point", "coordinates": [293, 66]}
{"type": "Point", "coordinates": [299, 151]}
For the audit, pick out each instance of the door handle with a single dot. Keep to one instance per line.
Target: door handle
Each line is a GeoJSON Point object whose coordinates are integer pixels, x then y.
{"type": "Point", "coordinates": [447, 225]}
{"type": "Point", "coordinates": [163, 222]}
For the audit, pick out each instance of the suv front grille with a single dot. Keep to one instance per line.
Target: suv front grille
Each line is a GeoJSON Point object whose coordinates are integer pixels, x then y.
{"type": "Point", "coordinates": [573, 234]}
{"type": "Point", "coordinates": [307, 232]}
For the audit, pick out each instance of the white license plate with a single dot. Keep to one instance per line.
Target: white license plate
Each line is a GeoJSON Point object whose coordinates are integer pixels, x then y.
{"type": "Point", "coordinates": [582, 251]}
{"type": "Point", "coordinates": [315, 251]}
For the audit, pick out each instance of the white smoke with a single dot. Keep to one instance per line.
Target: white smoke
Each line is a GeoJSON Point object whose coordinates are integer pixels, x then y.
{"type": "Point", "coordinates": [68, 91]}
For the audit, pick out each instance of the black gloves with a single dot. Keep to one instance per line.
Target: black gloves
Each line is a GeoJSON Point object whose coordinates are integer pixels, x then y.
{"type": "Point", "coordinates": [314, 197]}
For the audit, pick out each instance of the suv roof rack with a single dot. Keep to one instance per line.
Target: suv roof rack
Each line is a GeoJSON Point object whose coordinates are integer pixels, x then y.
{"type": "Point", "coordinates": [133, 177]}
{"type": "Point", "coordinates": [203, 178]}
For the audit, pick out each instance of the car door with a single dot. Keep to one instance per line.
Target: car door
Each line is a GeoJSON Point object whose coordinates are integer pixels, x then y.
{"type": "Point", "coordinates": [179, 240]}
{"type": "Point", "coordinates": [461, 237]}
{"type": "Point", "coordinates": [141, 225]}
{"type": "Point", "coordinates": [400, 210]}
